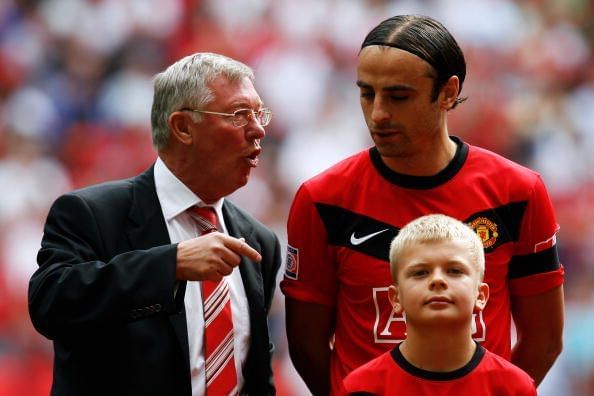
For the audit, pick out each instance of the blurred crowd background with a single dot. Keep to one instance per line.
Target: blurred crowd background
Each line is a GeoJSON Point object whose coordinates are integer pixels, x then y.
{"type": "Point", "coordinates": [76, 92]}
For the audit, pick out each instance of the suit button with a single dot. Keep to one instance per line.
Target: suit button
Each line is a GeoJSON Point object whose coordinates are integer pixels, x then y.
{"type": "Point", "coordinates": [157, 307]}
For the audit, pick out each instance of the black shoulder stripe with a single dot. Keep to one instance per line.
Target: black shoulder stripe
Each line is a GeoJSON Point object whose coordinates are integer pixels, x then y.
{"type": "Point", "coordinates": [373, 237]}
{"type": "Point", "coordinates": [531, 264]}
{"type": "Point", "coordinates": [358, 232]}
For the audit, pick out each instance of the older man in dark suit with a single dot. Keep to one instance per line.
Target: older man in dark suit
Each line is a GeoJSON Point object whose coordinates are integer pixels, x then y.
{"type": "Point", "coordinates": [157, 285]}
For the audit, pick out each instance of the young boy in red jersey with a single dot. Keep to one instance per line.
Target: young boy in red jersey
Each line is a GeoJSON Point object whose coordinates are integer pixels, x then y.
{"type": "Point", "coordinates": [438, 265]}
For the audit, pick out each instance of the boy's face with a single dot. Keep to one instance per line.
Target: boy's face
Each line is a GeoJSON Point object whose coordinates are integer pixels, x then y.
{"type": "Point", "coordinates": [438, 282]}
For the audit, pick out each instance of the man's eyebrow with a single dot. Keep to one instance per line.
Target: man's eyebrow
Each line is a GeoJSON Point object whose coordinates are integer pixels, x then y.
{"type": "Point", "coordinates": [389, 88]}
{"type": "Point", "coordinates": [244, 104]}
{"type": "Point", "coordinates": [398, 88]}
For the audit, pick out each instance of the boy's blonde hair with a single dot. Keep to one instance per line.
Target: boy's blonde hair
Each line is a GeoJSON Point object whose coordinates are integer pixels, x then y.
{"type": "Point", "coordinates": [435, 228]}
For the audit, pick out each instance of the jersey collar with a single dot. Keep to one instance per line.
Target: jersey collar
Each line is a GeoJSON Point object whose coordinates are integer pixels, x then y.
{"type": "Point", "coordinates": [401, 361]}
{"type": "Point", "coordinates": [422, 182]}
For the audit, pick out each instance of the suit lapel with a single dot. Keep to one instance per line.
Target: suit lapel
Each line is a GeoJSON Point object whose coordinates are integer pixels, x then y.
{"type": "Point", "coordinates": [239, 227]}
{"type": "Point", "coordinates": [258, 359]}
{"type": "Point", "coordinates": [147, 230]}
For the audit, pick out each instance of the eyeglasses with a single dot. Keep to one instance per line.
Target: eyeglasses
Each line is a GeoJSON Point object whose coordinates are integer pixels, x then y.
{"type": "Point", "coordinates": [241, 117]}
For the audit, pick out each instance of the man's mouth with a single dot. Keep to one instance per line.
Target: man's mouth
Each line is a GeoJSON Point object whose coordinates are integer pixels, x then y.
{"type": "Point", "coordinates": [385, 131]}
{"type": "Point", "coordinates": [253, 157]}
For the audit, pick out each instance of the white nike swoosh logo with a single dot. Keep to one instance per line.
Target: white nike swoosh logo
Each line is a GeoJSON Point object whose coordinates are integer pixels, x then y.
{"type": "Point", "coordinates": [357, 241]}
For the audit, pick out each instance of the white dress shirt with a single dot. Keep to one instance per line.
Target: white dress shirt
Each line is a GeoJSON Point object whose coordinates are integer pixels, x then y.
{"type": "Point", "coordinates": [175, 199]}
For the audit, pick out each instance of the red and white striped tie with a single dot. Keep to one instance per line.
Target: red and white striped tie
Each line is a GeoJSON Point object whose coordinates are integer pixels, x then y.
{"type": "Point", "coordinates": [221, 378]}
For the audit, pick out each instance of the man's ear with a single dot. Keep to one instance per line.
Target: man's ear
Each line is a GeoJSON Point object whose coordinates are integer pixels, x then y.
{"type": "Point", "coordinates": [394, 296]}
{"type": "Point", "coordinates": [482, 297]}
{"type": "Point", "coordinates": [179, 127]}
{"type": "Point", "coordinates": [449, 93]}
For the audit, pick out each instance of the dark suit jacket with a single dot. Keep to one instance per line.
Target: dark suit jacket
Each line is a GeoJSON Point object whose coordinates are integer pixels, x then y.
{"type": "Point", "coordinates": [104, 294]}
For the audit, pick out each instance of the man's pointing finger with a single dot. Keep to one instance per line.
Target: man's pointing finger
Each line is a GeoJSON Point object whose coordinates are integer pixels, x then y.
{"type": "Point", "coordinates": [239, 246]}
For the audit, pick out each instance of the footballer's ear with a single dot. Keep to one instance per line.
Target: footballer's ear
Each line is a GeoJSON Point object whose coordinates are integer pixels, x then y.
{"type": "Point", "coordinates": [449, 93]}
{"type": "Point", "coordinates": [394, 296]}
{"type": "Point", "coordinates": [482, 297]}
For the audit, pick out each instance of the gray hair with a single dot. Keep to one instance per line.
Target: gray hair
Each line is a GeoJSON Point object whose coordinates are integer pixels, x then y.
{"type": "Point", "coordinates": [185, 84]}
{"type": "Point", "coordinates": [435, 228]}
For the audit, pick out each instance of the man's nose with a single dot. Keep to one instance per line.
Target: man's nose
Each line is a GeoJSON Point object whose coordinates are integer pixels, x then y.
{"type": "Point", "coordinates": [379, 112]}
{"type": "Point", "coordinates": [254, 130]}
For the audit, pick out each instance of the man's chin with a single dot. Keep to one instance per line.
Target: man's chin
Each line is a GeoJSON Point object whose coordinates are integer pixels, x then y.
{"type": "Point", "coordinates": [390, 150]}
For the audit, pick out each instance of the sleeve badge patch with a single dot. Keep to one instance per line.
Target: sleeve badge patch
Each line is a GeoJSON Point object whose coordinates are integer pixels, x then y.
{"type": "Point", "coordinates": [292, 269]}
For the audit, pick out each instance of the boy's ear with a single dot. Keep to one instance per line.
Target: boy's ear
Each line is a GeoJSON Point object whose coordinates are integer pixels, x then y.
{"type": "Point", "coordinates": [482, 297]}
{"type": "Point", "coordinates": [394, 296]}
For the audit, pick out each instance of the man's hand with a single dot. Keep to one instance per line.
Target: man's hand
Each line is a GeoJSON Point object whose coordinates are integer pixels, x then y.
{"type": "Point", "coordinates": [211, 256]}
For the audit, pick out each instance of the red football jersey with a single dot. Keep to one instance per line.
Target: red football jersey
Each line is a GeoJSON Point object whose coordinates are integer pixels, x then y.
{"type": "Point", "coordinates": [486, 374]}
{"type": "Point", "coordinates": [342, 221]}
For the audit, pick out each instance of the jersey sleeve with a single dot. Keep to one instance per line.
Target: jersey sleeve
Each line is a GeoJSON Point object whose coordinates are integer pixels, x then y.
{"type": "Point", "coordinates": [535, 266]}
{"type": "Point", "coordinates": [310, 273]}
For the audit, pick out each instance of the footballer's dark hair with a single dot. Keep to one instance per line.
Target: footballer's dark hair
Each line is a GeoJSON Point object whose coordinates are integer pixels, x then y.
{"type": "Point", "coordinates": [429, 40]}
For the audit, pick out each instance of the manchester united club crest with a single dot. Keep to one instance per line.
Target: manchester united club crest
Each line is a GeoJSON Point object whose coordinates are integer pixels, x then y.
{"type": "Point", "coordinates": [486, 230]}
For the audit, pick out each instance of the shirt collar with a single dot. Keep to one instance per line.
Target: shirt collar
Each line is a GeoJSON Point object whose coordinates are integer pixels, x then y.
{"type": "Point", "coordinates": [175, 197]}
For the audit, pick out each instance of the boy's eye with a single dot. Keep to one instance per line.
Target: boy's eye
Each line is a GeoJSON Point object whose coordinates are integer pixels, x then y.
{"type": "Point", "coordinates": [366, 95]}
{"type": "Point", "coordinates": [419, 273]}
{"type": "Point", "coordinates": [398, 98]}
